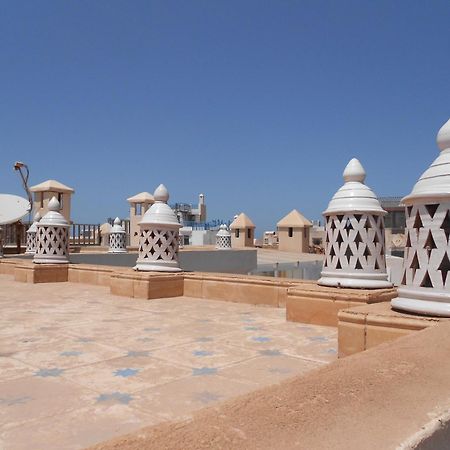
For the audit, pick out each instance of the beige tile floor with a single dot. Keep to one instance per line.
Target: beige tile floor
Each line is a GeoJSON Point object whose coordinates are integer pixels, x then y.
{"type": "Point", "coordinates": [79, 366]}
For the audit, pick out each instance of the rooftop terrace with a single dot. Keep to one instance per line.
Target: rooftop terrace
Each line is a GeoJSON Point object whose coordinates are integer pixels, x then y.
{"type": "Point", "coordinates": [79, 366]}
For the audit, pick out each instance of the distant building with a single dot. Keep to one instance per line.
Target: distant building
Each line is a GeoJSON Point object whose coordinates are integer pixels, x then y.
{"type": "Point", "coordinates": [293, 233]}
{"type": "Point", "coordinates": [270, 239]}
{"type": "Point", "coordinates": [189, 214]}
{"type": "Point", "coordinates": [242, 231]}
{"type": "Point", "coordinates": [394, 224]}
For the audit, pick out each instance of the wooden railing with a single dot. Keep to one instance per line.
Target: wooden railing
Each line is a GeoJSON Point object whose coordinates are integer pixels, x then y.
{"type": "Point", "coordinates": [85, 234]}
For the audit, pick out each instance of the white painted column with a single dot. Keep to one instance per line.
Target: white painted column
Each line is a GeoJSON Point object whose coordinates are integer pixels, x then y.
{"type": "Point", "coordinates": [117, 238]}
{"type": "Point", "coordinates": [52, 237]}
{"type": "Point", "coordinates": [158, 238]}
{"type": "Point", "coordinates": [425, 285]}
{"type": "Point", "coordinates": [354, 239]}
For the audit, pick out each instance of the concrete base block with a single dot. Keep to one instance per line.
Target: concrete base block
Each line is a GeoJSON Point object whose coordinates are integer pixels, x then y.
{"type": "Point", "coordinates": [41, 273]}
{"type": "Point", "coordinates": [239, 288]}
{"type": "Point", "coordinates": [7, 266]}
{"type": "Point", "coordinates": [320, 305]}
{"type": "Point", "coordinates": [364, 327]}
{"type": "Point", "coordinates": [147, 285]}
{"type": "Point", "coordinates": [88, 274]}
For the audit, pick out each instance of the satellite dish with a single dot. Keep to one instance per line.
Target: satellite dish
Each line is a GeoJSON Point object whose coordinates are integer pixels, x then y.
{"type": "Point", "coordinates": [13, 208]}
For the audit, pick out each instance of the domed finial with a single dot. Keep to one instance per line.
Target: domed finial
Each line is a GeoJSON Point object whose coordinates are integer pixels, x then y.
{"type": "Point", "coordinates": [443, 136]}
{"type": "Point", "coordinates": [53, 204]}
{"type": "Point", "coordinates": [354, 171]}
{"type": "Point", "coordinates": [161, 194]}
{"type": "Point", "coordinates": [37, 217]}
{"type": "Point", "coordinates": [223, 227]}
{"type": "Point", "coordinates": [116, 221]}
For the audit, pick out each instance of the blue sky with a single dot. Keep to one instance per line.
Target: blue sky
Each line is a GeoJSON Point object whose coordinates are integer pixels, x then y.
{"type": "Point", "coordinates": [258, 104]}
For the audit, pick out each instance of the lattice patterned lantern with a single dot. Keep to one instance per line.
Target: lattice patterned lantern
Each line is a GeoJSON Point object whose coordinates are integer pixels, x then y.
{"type": "Point", "coordinates": [52, 237]}
{"type": "Point", "coordinates": [31, 235]}
{"type": "Point", "coordinates": [425, 285]}
{"type": "Point", "coordinates": [354, 240]}
{"type": "Point", "coordinates": [117, 238]}
{"type": "Point", "coordinates": [158, 237]}
{"type": "Point", "coordinates": [223, 238]}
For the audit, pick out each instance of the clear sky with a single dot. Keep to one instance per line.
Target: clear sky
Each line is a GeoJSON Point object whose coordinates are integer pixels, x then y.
{"type": "Point", "coordinates": [258, 104]}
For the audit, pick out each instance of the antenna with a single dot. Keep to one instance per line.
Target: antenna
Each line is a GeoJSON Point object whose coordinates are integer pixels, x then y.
{"type": "Point", "coordinates": [19, 165]}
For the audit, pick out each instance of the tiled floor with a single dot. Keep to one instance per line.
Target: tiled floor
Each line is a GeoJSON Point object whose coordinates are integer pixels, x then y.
{"type": "Point", "coordinates": [79, 366]}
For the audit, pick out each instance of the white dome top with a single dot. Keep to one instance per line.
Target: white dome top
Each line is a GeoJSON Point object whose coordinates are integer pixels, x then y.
{"type": "Point", "coordinates": [435, 181]}
{"type": "Point", "coordinates": [354, 195]}
{"type": "Point", "coordinates": [33, 227]}
{"type": "Point", "coordinates": [223, 231]}
{"type": "Point", "coordinates": [53, 217]}
{"type": "Point", "coordinates": [117, 227]}
{"type": "Point", "coordinates": [160, 213]}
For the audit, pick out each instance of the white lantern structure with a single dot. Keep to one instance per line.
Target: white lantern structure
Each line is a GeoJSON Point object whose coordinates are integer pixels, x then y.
{"type": "Point", "coordinates": [354, 240]}
{"type": "Point", "coordinates": [52, 237]}
{"type": "Point", "coordinates": [425, 285]}
{"type": "Point", "coordinates": [31, 235]}
{"type": "Point", "coordinates": [223, 238]}
{"type": "Point", "coordinates": [117, 238]}
{"type": "Point", "coordinates": [158, 237]}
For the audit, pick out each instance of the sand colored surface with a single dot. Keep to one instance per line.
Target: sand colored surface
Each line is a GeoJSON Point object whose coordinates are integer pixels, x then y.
{"type": "Point", "coordinates": [377, 399]}
{"type": "Point", "coordinates": [80, 366]}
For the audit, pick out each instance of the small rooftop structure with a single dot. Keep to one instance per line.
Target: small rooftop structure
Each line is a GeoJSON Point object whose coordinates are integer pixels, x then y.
{"type": "Point", "coordinates": [52, 237]}
{"type": "Point", "coordinates": [293, 232]}
{"type": "Point", "coordinates": [244, 231]}
{"type": "Point", "coordinates": [142, 197]}
{"type": "Point", "coordinates": [425, 285]}
{"type": "Point", "coordinates": [355, 243]}
{"type": "Point", "coordinates": [51, 185]}
{"type": "Point", "coordinates": [45, 191]}
{"type": "Point", "coordinates": [139, 204]}
{"type": "Point", "coordinates": [158, 237]}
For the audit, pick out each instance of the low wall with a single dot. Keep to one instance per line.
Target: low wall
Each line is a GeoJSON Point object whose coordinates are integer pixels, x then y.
{"type": "Point", "coordinates": [221, 261]}
{"type": "Point", "coordinates": [320, 305]}
{"type": "Point", "coordinates": [367, 326]}
{"type": "Point", "coordinates": [241, 289]}
{"type": "Point", "coordinates": [147, 285]}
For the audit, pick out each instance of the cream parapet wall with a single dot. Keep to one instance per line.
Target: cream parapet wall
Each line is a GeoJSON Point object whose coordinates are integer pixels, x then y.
{"type": "Point", "coordinates": [159, 234]}
{"type": "Point", "coordinates": [52, 237]}
{"type": "Point", "coordinates": [425, 285]}
{"type": "Point", "coordinates": [354, 235]}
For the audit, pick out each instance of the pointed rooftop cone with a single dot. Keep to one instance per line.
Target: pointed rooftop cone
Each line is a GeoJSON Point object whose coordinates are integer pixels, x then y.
{"type": "Point", "coordinates": [117, 238]}
{"type": "Point", "coordinates": [31, 235]}
{"type": "Point", "coordinates": [425, 287]}
{"type": "Point", "coordinates": [159, 234]}
{"type": "Point", "coordinates": [52, 237]}
{"type": "Point", "coordinates": [354, 244]}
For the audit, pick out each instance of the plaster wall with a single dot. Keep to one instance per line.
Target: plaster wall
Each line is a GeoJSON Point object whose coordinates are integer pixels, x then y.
{"type": "Point", "coordinates": [299, 242]}
{"type": "Point", "coordinates": [245, 238]}
{"type": "Point", "coordinates": [42, 207]}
